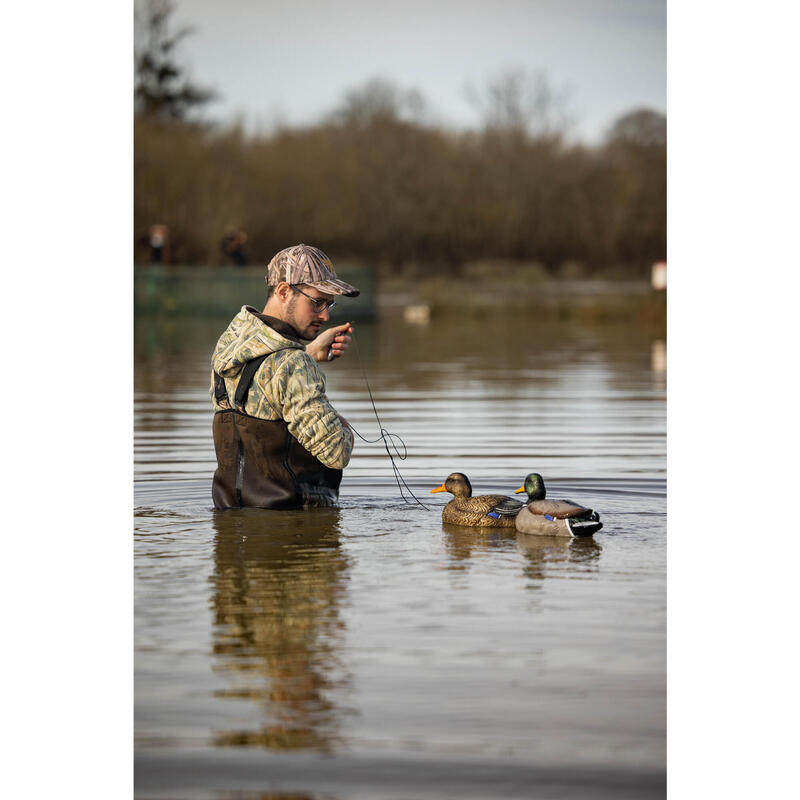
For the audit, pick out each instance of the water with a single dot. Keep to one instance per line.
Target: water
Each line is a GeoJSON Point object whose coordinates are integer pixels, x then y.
{"type": "Point", "coordinates": [370, 651]}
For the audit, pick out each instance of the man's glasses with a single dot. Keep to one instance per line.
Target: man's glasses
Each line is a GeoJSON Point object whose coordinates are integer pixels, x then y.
{"type": "Point", "coordinates": [319, 304]}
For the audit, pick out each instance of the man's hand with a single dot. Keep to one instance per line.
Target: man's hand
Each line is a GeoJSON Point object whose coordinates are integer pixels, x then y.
{"type": "Point", "coordinates": [334, 340]}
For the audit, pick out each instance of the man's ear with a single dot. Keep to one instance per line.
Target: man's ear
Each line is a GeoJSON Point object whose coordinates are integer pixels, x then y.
{"type": "Point", "coordinates": [283, 291]}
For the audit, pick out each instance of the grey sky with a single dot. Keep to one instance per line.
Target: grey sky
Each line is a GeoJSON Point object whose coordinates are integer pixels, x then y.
{"type": "Point", "coordinates": [295, 59]}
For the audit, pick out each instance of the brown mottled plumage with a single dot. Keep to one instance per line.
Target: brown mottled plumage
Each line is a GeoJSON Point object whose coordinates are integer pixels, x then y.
{"type": "Point", "coordinates": [464, 509]}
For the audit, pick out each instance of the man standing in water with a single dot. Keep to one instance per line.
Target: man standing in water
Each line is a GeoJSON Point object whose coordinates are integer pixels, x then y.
{"type": "Point", "coordinates": [279, 442]}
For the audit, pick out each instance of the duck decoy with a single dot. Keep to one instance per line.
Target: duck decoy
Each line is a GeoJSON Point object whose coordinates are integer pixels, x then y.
{"type": "Point", "coordinates": [553, 517]}
{"type": "Point", "coordinates": [485, 511]}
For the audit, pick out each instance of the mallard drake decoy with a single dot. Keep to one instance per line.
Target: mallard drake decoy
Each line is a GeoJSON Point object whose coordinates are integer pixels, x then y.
{"type": "Point", "coordinates": [553, 517]}
{"type": "Point", "coordinates": [485, 511]}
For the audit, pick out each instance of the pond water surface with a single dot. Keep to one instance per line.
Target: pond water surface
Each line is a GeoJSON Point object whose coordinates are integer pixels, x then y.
{"type": "Point", "coordinates": [372, 652]}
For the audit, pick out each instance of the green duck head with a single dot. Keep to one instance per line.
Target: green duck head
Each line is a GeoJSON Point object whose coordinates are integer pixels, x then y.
{"type": "Point", "coordinates": [533, 486]}
{"type": "Point", "coordinates": [457, 483]}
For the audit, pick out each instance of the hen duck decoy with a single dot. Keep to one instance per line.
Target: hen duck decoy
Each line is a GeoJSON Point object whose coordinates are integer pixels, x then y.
{"type": "Point", "coordinates": [553, 517]}
{"type": "Point", "coordinates": [485, 511]}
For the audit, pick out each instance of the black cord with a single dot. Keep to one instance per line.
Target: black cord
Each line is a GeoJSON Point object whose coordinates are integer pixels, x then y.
{"type": "Point", "coordinates": [386, 437]}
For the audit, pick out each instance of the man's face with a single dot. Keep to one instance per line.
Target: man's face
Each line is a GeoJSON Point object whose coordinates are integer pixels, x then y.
{"type": "Point", "coordinates": [301, 314]}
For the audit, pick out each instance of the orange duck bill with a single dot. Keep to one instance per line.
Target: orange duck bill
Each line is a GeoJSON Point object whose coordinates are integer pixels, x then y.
{"type": "Point", "coordinates": [438, 489]}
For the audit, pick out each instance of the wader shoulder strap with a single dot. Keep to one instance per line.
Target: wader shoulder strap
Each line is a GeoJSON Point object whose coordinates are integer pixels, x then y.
{"type": "Point", "coordinates": [245, 381]}
{"type": "Point", "coordinates": [220, 392]}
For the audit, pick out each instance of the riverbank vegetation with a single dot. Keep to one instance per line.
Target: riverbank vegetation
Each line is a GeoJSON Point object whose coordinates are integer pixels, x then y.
{"type": "Point", "coordinates": [380, 181]}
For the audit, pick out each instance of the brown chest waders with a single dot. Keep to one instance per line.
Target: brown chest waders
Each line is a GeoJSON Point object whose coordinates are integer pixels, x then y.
{"type": "Point", "coordinates": [259, 463]}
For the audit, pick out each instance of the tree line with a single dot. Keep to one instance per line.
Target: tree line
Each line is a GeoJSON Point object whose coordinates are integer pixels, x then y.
{"type": "Point", "coordinates": [378, 181]}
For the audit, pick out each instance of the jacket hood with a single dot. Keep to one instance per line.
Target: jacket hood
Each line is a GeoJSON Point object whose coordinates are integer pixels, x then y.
{"type": "Point", "coordinates": [246, 338]}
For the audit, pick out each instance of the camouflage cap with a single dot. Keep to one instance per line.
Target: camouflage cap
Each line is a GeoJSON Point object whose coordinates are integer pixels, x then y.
{"type": "Point", "coordinates": [302, 263]}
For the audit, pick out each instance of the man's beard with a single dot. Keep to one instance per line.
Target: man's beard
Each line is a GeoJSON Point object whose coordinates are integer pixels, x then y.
{"type": "Point", "coordinates": [303, 333]}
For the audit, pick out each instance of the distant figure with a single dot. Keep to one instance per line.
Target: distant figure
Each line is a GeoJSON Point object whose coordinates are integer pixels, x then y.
{"type": "Point", "coordinates": [232, 246]}
{"type": "Point", "coordinates": [159, 244]}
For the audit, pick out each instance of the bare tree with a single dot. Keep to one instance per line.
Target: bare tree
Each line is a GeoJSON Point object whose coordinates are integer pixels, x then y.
{"type": "Point", "coordinates": [379, 99]}
{"type": "Point", "coordinates": [522, 102]}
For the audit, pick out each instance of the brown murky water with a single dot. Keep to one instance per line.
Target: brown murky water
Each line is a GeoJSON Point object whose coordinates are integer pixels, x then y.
{"type": "Point", "coordinates": [371, 652]}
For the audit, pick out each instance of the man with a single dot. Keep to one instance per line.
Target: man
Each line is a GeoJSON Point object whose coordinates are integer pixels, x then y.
{"type": "Point", "coordinates": [279, 442]}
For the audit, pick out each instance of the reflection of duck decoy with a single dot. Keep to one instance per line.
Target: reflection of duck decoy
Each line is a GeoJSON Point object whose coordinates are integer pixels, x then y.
{"type": "Point", "coordinates": [463, 543]}
{"type": "Point", "coordinates": [556, 556]}
{"type": "Point", "coordinates": [553, 517]}
{"type": "Point", "coordinates": [485, 511]}
{"type": "Point", "coordinates": [555, 549]}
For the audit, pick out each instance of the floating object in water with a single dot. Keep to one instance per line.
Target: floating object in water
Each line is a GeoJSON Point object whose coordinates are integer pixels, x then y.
{"type": "Point", "coordinates": [485, 511]}
{"type": "Point", "coordinates": [417, 314]}
{"type": "Point", "coordinates": [553, 517]}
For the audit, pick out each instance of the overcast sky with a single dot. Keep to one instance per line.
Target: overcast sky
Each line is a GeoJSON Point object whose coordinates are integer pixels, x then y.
{"type": "Point", "coordinates": [295, 59]}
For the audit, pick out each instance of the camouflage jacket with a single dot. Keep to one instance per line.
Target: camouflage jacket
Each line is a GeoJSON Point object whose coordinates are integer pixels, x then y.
{"type": "Point", "coordinates": [288, 385]}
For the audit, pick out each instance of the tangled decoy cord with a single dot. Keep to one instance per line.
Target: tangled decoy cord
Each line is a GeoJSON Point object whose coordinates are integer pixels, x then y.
{"type": "Point", "coordinates": [389, 439]}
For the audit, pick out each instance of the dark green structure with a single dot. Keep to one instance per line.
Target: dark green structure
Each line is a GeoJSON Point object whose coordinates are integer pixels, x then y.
{"type": "Point", "coordinates": [223, 290]}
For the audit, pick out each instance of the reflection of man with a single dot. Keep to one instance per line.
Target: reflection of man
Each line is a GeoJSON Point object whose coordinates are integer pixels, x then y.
{"type": "Point", "coordinates": [278, 633]}
{"type": "Point", "coordinates": [279, 442]}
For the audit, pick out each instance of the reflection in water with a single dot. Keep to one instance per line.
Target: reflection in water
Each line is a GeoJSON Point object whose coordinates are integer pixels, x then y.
{"type": "Point", "coordinates": [658, 357]}
{"type": "Point", "coordinates": [279, 581]}
{"type": "Point", "coordinates": [546, 554]}
{"type": "Point", "coordinates": [272, 667]}
{"type": "Point", "coordinates": [463, 542]}
{"type": "Point", "coordinates": [583, 402]}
